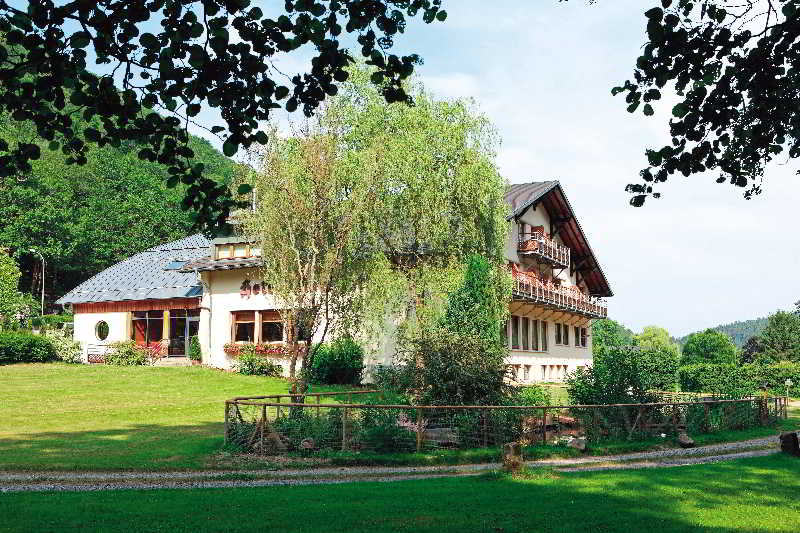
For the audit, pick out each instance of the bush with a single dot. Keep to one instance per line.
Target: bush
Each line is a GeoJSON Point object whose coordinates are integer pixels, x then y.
{"type": "Point", "coordinates": [623, 375]}
{"type": "Point", "coordinates": [338, 363]}
{"type": "Point", "coordinates": [387, 430]}
{"type": "Point", "coordinates": [126, 353]}
{"type": "Point", "coordinates": [195, 353]}
{"type": "Point", "coordinates": [66, 348]}
{"type": "Point", "coordinates": [255, 365]}
{"type": "Point", "coordinates": [452, 368]}
{"type": "Point", "coordinates": [531, 395]}
{"type": "Point", "coordinates": [740, 380]}
{"type": "Point", "coordinates": [20, 347]}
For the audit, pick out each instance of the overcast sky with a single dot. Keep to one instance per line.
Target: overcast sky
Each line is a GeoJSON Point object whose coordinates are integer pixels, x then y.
{"type": "Point", "coordinates": [542, 71]}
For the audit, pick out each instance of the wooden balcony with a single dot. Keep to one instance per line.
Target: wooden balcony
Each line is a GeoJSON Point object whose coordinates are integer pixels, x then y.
{"type": "Point", "coordinates": [568, 299]}
{"type": "Point", "coordinates": [536, 245]}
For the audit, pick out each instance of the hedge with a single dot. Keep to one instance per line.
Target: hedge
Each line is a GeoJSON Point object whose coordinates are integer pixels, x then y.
{"type": "Point", "coordinates": [20, 347]}
{"type": "Point", "coordinates": [740, 379]}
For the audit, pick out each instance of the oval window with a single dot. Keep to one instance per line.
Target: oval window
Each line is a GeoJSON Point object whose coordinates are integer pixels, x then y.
{"type": "Point", "coordinates": [101, 330]}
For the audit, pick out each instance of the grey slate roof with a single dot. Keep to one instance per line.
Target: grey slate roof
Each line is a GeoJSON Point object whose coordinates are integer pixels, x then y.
{"type": "Point", "coordinates": [142, 277]}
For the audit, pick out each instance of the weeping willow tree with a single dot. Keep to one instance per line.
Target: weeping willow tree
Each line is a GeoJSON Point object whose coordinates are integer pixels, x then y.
{"type": "Point", "coordinates": [372, 209]}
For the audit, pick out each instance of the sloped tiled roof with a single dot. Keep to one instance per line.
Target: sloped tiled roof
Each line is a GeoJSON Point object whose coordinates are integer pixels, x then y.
{"type": "Point", "coordinates": [143, 276]}
{"type": "Point", "coordinates": [520, 196]}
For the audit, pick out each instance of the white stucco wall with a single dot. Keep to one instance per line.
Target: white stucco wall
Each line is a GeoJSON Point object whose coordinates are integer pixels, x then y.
{"type": "Point", "coordinates": [85, 323]}
{"type": "Point", "coordinates": [221, 297]}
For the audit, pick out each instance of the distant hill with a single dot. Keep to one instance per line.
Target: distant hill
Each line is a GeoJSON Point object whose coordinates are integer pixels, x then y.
{"type": "Point", "coordinates": [739, 331]}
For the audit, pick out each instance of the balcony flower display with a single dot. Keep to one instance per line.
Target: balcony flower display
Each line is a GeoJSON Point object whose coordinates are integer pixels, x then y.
{"type": "Point", "coordinates": [272, 351]}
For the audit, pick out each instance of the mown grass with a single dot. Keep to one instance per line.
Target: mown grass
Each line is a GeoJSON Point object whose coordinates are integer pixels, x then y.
{"type": "Point", "coordinates": [750, 495]}
{"type": "Point", "coordinates": [59, 416]}
{"type": "Point", "coordinates": [78, 417]}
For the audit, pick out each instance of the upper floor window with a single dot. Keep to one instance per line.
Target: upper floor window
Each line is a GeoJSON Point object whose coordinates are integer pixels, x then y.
{"type": "Point", "coordinates": [238, 250]}
{"type": "Point", "coordinates": [562, 334]}
{"type": "Point", "coordinates": [523, 333]}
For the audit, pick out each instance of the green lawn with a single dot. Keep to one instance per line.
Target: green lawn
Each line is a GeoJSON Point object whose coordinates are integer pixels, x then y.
{"type": "Point", "coordinates": [102, 417]}
{"type": "Point", "coordinates": [62, 417]}
{"type": "Point", "coordinates": [751, 495]}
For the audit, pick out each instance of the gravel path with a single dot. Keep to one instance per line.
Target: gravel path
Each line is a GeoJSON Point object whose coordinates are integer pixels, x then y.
{"type": "Point", "coordinates": [86, 481]}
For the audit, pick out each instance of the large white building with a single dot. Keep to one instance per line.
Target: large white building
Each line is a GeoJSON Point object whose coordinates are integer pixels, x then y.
{"type": "Point", "coordinates": [211, 289]}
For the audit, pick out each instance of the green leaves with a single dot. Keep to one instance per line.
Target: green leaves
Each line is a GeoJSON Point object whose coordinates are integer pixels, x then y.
{"type": "Point", "coordinates": [80, 39]}
{"type": "Point", "coordinates": [230, 147]}
{"type": "Point", "coordinates": [148, 40]}
{"type": "Point", "coordinates": [185, 63]}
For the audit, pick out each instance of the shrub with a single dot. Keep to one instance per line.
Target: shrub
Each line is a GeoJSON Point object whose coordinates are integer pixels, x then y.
{"type": "Point", "coordinates": [623, 375]}
{"type": "Point", "coordinates": [452, 368]}
{"type": "Point", "coordinates": [338, 363]}
{"type": "Point", "coordinates": [20, 347]}
{"type": "Point", "coordinates": [195, 353]}
{"type": "Point", "coordinates": [387, 430]}
{"type": "Point", "coordinates": [740, 380]}
{"type": "Point", "coordinates": [325, 431]}
{"type": "Point", "coordinates": [126, 353]}
{"type": "Point", "coordinates": [66, 348]}
{"type": "Point", "coordinates": [531, 395]}
{"type": "Point", "coordinates": [255, 365]}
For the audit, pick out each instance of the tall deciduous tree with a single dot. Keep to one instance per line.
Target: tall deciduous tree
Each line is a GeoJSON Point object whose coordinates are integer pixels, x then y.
{"type": "Point", "coordinates": [607, 334]}
{"type": "Point", "coordinates": [709, 346]}
{"type": "Point", "coordinates": [79, 218]}
{"type": "Point", "coordinates": [9, 287]}
{"type": "Point", "coordinates": [658, 338]}
{"type": "Point", "coordinates": [174, 57]}
{"type": "Point", "coordinates": [734, 66]}
{"type": "Point", "coordinates": [780, 340]}
{"type": "Point", "coordinates": [375, 208]}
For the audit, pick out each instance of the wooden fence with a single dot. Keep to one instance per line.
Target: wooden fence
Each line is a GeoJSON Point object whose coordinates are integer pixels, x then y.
{"type": "Point", "coordinates": [258, 425]}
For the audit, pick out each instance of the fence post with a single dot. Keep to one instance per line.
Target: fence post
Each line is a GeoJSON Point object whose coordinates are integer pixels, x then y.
{"type": "Point", "coordinates": [263, 425]}
{"type": "Point", "coordinates": [227, 421]}
{"type": "Point", "coordinates": [278, 408]}
{"type": "Point", "coordinates": [675, 417]}
{"type": "Point", "coordinates": [344, 429]}
{"type": "Point", "coordinates": [485, 435]}
{"type": "Point", "coordinates": [318, 397]}
{"type": "Point", "coordinates": [544, 425]}
{"type": "Point", "coordinates": [419, 430]}
{"type": "Point", "coordinates": [706, 417]}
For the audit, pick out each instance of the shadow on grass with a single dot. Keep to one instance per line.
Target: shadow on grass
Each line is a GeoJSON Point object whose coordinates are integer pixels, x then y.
{"type": "Point", "coordinates": [754, 495]}
{"type": "Point", "coordinates": [139, 446]}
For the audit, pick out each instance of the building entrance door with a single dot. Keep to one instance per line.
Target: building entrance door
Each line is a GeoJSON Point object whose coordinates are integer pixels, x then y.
{"type": "Point", "coordinates": [183, 324]}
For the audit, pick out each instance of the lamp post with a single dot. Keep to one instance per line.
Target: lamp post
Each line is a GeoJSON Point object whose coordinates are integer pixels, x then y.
{"type": "Point", "coordinates": [42, 257]}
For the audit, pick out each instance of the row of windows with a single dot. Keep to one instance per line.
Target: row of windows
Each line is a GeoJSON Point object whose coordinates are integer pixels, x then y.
{"type": "Point", "coordinates": [148, 326]}
{"type": "Point", "coordinates": [525, 373]}
{"type": "Point", "coordinates": [527, 334]}
{"type": "Point", "coordinates": [239, 250]}
{"type": "Point", "coordinates": [260, 326]}
{"type": "Point", "coordinates": [523, 333]}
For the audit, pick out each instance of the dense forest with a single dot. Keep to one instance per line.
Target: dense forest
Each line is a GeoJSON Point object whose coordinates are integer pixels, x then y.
{"type": "Point", "coordinates": [739, 331]}
{"type": "Point", "coordinates": [80, 217]}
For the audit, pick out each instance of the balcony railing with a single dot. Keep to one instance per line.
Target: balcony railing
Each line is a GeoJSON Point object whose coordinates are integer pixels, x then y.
{"type": "Point", "coordinates": [536, 244]}
{"type": "Point", "coordinates": [568, 299]}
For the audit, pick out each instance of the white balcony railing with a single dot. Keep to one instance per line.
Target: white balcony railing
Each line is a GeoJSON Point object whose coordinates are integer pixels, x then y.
{"type": "Point", "coordinates": [536, 244]}
{"type": "Point", "coordinates": [569, 299]}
